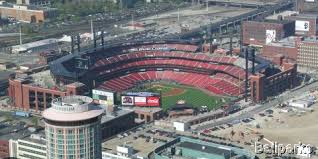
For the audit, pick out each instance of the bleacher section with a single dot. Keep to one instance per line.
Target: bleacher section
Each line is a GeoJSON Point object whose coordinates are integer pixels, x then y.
{"type": "Point", "coordinates": [217, 85]}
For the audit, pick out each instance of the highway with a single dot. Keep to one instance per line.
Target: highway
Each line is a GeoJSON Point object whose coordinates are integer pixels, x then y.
{"type": "Point", "coordinates": [261, 108]}
{"type": "Point", "coordinates": [262, 11]}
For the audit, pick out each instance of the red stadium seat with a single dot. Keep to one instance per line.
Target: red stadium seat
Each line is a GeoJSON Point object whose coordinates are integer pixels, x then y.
{"type": "Point", "coordinates": [221, 84]}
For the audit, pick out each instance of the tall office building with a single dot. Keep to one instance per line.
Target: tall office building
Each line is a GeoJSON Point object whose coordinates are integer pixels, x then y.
{"type": "Point", "coordinates": [307, 57]}
{"type": "Point", "coordinates": [72, 128]}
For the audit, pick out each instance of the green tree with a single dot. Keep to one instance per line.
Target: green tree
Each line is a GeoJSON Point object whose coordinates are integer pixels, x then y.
{"type": "Point", "coordinates": [35, 121]}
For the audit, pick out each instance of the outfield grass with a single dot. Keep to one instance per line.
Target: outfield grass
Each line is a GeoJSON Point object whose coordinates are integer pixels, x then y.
{"type": "Point", "coordinates": [192, 96]}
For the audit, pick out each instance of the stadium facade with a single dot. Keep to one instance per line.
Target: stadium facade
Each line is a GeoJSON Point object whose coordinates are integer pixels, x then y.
{"type": "Point", "coordinates": [123, 66]}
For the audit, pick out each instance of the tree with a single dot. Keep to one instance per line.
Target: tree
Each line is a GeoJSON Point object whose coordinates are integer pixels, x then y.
{"type": "Point", "coordinates": [232, 133]}
{"type": "Point", "coordinates": [35, 121]}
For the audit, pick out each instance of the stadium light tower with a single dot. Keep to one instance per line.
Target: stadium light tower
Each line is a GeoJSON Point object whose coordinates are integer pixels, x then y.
{"type": "Point", "coordinates": [246, 72]}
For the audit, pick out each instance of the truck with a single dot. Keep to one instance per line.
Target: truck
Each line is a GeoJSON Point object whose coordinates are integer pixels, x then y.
{"type": "Point", "coordinates": [21, 114]}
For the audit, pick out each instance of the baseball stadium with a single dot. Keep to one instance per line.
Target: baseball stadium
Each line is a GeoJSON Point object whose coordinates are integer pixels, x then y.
{"type": "Point", "coordinates": [178, 70]}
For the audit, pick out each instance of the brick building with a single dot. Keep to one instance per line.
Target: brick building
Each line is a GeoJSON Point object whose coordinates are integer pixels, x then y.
{"type": "Point", "coordinates": [260, 33]}
{"type": "Point", "coordinates": [263, 87]}
{"type": "Point", "coordinates": [286, 48]}
{"type": "Point", "coordinates": [4, 148]}
{"type": "Point", "coordinates": [40, 3]}
{"type": "Point", "coordinates": [305, 24]}
{"type": "Point", "coordinates": [28, 14]}
{"type": "Point", "coordinates": [29, 95]}
{"type": "Point", "coordinates": [148, 114]}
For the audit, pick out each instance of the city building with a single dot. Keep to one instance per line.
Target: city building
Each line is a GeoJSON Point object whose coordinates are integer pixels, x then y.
{"type": "Point", "coordinates": [307, 53]}
{"type": "Point", "coordinates": [305, 24]}
{"type": "Point", "coordinates": [51, 44]}
{"type": "Point", "coordinates": [72, 128]}
{"type": "Point", "coordinates": [286, 48]}
{"type": "Point", "coordinates": [283, 15]}
{"type": "Point", "coordinates": [4, 81]}
{"type": "Point", "coordinates": [125, 3]}
{"type": "Point", "coordinates": [184, 147]}
{"type": "Point", "coordinates": [35, 92]}
{"type": "Point", "coordinates": [116, 120]}
{"type": "Point", "coordinates": [107, 155]}
{"type": "Point", "coordinates": [299, 5]}
{"type": "Point", "coordinates": [29, 14]}
{"type": "Point", "coordinates": [31, 147]}
{"type": "Point", "coordinates": [264, 86]}
{"type": "Point", "coordinates": [148, 114]}
{"type": "Point", "coordinates": [6, 65]}
{"type": "Point", "coordinates": [185, 123]}
{"type": "Point", "coordinates": [260, 33]}
{"type": "Point", "coordinates": [136, 143]}
{"type": "Point", "coordinates": [48, 56]}
{"type": "Point", "coordinates": [40, 3]}
{"type": "Point", "coordinates": [11, 131]}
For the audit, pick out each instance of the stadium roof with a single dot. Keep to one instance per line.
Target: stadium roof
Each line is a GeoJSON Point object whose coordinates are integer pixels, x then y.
{"type": "Point", "coordinates": [204, 148]}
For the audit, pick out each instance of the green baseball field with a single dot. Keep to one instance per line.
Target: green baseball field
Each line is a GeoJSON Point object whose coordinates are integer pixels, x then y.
{"type": "Point", "coordinates": [172, 93]}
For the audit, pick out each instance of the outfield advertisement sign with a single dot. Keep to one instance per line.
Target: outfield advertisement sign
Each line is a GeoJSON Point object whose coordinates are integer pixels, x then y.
{"type": "Point", "coordinates": [103, 97]}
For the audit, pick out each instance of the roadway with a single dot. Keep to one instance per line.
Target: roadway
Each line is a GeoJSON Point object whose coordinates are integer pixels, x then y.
{"type": "Point", "coordinates": [236, 20]}
{"type": "Point", "coordinates": [257, 109]}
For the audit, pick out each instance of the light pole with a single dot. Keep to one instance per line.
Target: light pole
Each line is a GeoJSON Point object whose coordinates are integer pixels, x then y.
{"type": "Point", "coordinates": [92, 27]}
{"type": "Point", "coordinates": [178, 15]}
{"type": "Point", "coordinates": [20, 33]}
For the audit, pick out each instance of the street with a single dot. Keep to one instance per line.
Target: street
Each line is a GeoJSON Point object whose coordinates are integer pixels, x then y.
{"type": "Point", "coordinates": [261, 108]}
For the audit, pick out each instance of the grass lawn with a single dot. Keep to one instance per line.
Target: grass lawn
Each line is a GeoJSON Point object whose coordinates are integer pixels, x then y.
{"type": "Point", "coordinates": [192, 96]}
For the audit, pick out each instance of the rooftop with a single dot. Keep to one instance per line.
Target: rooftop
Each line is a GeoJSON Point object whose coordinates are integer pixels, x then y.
{"type": "Point", "coordinates": [307, 15]}
{"type": "Point", "coordinates": [200, 116]}
{"type": "Point", "coordinates": [72, 108]}
{"type": "Point", "coordinates": [202, 146]}
{"type": "Point", "coordinates": [118, 112]}
{"type": "Point", "coordinates": [311, 39]}
{"type": "Point", "coordinates": [38, 138]}
{"type": "Point", "coordinates": [270, 21]}
{"type": "Point", "coordinates": [5, 75]}
{"type": "Point", "coordinates": [286, 42]}
{"type": "Point", "coordinates": [206, 149]}
{"type": "Point", "coordinates": [15, 131]}
{"type": "Point", "coordinates": [30, 45]}
{"type": "Point", "coordinates": [4, 4]}
{"type": "Point", "coordinates": [283, 14]}
{"type": "Point", "coordinates": [143, 140]}
{"type": "Point", "coordinates": [147, 109]}
{"type": "Point", "coordinates": [45, 80]}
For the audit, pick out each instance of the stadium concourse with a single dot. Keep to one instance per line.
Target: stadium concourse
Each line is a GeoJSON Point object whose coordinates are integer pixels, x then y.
{"type": "Point", "coordinates": [123, 67]}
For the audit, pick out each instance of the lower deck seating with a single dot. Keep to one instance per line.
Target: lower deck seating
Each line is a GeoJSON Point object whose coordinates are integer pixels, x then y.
{"type": "Point", "coordinates": [219, 84]}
